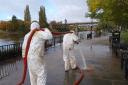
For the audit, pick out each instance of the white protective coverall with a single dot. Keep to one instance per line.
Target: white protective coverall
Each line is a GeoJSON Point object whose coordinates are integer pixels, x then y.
{"type": "Point", "coordinates": [35, 58]}
{"type": "Point", "coordinates": [68, 50]}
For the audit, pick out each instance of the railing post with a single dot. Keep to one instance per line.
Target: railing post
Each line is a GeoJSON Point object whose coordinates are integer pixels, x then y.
{"type": "Point", "coordinates": [54, 39]}
{"type": "Point", "coordinates": [60, 39]}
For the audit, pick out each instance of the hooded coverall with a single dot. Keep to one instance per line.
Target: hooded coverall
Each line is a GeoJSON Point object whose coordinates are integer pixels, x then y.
{"type": "Point", "coordinates": [68, 50]}
{"type": "Point", "coordinates": [35, 58]}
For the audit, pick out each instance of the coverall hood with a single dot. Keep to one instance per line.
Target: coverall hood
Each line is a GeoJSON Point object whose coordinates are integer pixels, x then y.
{"type": "Point", "coordinates": [72, 31]}
{"type": "Point", "coordinates": [34, 25]}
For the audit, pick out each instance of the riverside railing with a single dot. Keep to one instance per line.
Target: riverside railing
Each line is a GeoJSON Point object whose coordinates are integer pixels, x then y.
{"type": "Point", "coordinates": [9, 51]}
{"type": "Point", "coordinates": [14, 50]}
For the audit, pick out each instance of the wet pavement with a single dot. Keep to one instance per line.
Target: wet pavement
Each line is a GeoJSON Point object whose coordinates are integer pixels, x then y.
{"type": "Point", "coordinates": [98, 55]}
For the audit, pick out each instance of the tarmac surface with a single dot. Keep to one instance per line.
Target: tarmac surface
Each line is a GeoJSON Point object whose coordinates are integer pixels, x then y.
{"type": "Point", "coordinates": [98, 55]}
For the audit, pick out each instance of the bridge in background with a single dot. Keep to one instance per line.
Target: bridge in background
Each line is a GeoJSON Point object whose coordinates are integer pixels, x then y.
{"type": "Point", "coordinates": [80, 25]}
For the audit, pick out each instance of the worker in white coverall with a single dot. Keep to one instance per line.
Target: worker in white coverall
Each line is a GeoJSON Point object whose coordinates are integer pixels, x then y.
{"type": "Point", "coordinates": [69, 40]}
{"type": "Point", "coordinates": [35, 58]}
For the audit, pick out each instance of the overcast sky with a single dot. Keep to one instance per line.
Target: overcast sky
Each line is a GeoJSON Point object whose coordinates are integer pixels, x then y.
{"type": "Point", "coordinates": [59, 10]}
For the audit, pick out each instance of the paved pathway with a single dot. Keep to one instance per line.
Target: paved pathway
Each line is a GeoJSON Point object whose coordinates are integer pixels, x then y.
{"type": "Point", "coordinates": [97, 53]}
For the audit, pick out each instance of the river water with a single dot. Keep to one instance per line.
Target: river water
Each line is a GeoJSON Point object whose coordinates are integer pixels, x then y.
{"type": "Point", "coordinates": [10, 38]}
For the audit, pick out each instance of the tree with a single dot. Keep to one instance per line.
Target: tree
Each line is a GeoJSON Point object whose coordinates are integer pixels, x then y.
{"type": "Point", "coordinates": [42, 17]}
{"type": "Point", "coordinates": [21, 26]}
{"type": "Point", "coordinates": [109, 11]}
{"type": "Point", "coordinates": [14, 23]}
{"type": "Point", "coordinates": [27, 17]}
{"type": "Point", "coordinates": [94, 6]}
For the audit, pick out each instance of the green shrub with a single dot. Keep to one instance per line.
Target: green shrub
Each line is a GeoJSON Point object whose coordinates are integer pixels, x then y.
{"type": "Point", "coordinates": [124, 37]}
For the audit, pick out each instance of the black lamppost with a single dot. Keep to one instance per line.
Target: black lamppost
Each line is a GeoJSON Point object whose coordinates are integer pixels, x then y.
{"type": "Point", "coordinates": [65, 22]}
{"type": "Point", "coordinates": [91, 32]}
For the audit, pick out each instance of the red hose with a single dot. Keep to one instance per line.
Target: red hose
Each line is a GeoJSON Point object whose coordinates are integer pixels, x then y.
{"type": "Point", "coordinates": [77, 82]}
